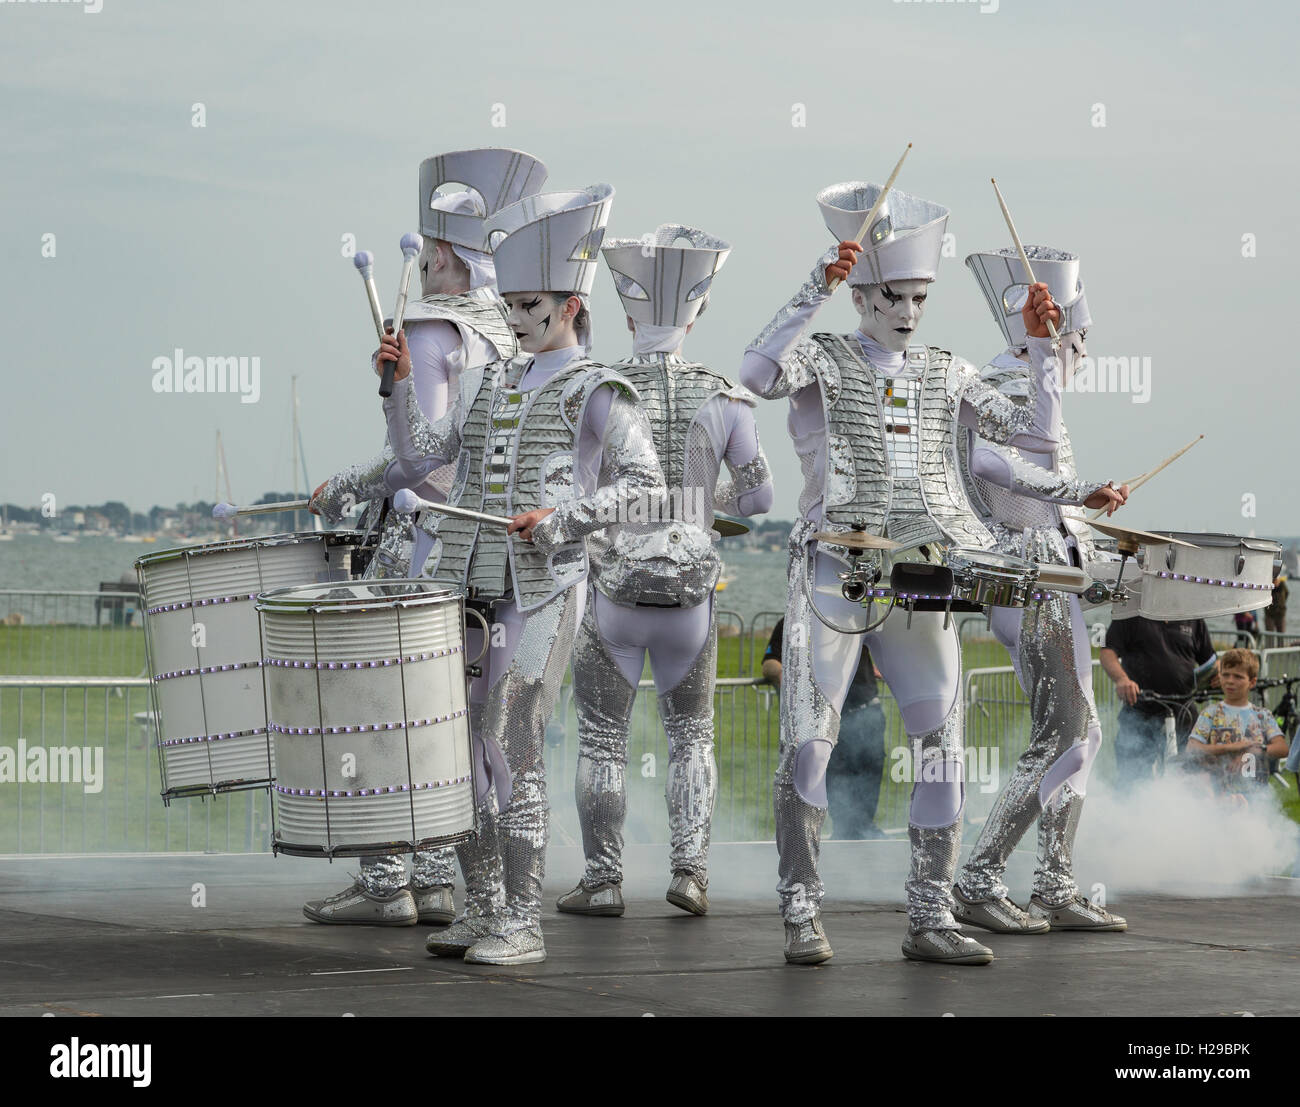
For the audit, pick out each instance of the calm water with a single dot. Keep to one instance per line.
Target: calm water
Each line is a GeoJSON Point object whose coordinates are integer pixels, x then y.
{"type": "Point", "coordinates": [38, 562]}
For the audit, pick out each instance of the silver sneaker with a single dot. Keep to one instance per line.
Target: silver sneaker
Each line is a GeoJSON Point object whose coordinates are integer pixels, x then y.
{"type": "Point", "coordinates": [603, 900]}
{"type": "Point", "coordinates": [434, 904]}
{"type": "Point", "coordinates": [952, 947]}
{"type": "Point", "coordinates": [519, 947]}
{"type": "Point", "coordinates": [686, 891]}
{"type": "Point", "coordinates": [460, 935]}
{"type": "Point", "coordinates": [1075, 914]}
{"type": "Point", "coordinates": [805, 942]}
{"type": "Point", "coordinates": [998, 915]}
{"type": "Point", "coordinates": [354, 906]}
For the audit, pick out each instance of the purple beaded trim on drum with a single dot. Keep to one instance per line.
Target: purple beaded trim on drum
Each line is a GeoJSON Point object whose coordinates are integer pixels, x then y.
{"type": "Point", "coordinates": [367, 728]}
{"type": "Point", "coordinates": [200, 603]}
{"type": "Point", "coordinates": [284, 663]}
{"type": "Point", "coordinates": [209, 669]}
{"type": "Point", "coordinates": [326, 793]}
{"type": "Point", "coordinates": [213, 737]}
{"type": "Point", "coordinates": [1166, 575]}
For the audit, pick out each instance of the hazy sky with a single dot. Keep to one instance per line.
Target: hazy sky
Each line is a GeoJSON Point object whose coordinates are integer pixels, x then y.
{"type": "Point", "coordinates": [227, 239]}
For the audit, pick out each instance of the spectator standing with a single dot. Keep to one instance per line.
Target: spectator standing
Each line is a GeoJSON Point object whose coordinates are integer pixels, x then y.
{"type": "Point", "coordinates": [1167, 658]}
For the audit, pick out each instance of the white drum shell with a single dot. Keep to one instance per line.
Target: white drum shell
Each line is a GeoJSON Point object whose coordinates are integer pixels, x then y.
{"type": "Point", "coordinates": [204, 648]}
{"type": "Point", "coordinates": [1216, 586]}
{"type": "Point", "coordinates": [372, 755]}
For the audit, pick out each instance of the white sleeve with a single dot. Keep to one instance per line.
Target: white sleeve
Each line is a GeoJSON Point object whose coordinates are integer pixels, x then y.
{"type": "Point", "coordinates": [434, 345]}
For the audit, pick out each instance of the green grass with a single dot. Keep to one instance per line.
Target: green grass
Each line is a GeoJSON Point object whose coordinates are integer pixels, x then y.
{"type": "Point", "coordinates": [128, 813]}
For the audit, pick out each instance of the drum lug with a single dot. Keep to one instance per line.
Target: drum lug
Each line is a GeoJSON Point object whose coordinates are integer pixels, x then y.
{"type": "Point", "coordinates": [1171, 555]}
{"type": "Point", "coordinates": [474, 671]}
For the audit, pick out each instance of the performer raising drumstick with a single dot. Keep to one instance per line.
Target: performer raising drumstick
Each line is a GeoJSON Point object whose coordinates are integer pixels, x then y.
{"type": "Point", "coordinates": [457, 326]}
{"type": "Point", "coordinates": [560, 444]}
{"type": "Point", "coordinates": [1030, 501]}
{"type": "Point", "coordinates": [874, 423]}
{"type": "Point", "coordinates": [652, 583]}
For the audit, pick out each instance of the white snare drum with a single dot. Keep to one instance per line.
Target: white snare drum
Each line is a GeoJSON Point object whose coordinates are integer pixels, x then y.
{"type": "Point", "coordinates": [368, 703]}
{"type": "Point", "coordinates": [204, 651]}
{"type": "Point", "coordinates": [991, 579]}
{"type": "Point", "coordinates": [1222, 576]}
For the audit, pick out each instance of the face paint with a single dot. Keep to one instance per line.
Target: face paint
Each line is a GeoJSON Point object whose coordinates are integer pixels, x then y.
{"type": "Point", "coordinates": [531, 316]}
{"type": "Point", "coordinates": [892, 311]}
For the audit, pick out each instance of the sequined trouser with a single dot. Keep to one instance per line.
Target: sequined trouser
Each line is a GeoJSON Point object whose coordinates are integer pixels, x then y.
{"type": "Point", "coordinates": [519, 704]}
{"type": "Point", "coordinates": [1053, 659]}
{"type": "Point", "coordinates": [385, 875]}
{"type": "Point", "coordinates": [607, 662]}
{"type": "Point", "coordinates": [922, 666]}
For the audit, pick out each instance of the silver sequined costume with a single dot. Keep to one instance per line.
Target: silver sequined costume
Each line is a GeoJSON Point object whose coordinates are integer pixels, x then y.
{"type": "Point", "coordinates": [655, 585]}
{"type": "Point", "coordinates": [1030, 502]}
{"type": "Point", "coordinates": [878, 449]}
{"type": "Point", "coordinates": [480, 336]}
{"type": "Point", "coordinates": [569, 443]}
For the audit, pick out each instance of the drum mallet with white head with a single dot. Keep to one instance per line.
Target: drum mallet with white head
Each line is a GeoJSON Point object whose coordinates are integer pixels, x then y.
{"type": "Point", "coordinates": [407, 502]}
{"type": "Point", "coordinates": [229, 511]}
{"type": "Point", "coordinates": [410, 251]}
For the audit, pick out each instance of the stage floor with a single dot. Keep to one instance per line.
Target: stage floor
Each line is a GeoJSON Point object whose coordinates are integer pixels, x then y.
{"type": "Point", "coordinates": [118, 935]}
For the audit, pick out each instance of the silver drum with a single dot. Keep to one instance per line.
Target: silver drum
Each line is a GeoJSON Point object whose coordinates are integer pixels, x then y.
{"type": "Point", "coordinates": [204, 651]}
{"type": "Point", "coordinates": [991, 579]}
{"type": "Point", "coordinates": [368, 702]}
{"type": "Point", "coordinates": [1223, 575]}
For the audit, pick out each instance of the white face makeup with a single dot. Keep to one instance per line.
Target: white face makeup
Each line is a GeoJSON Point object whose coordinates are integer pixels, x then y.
{"type": "Point", "coordinates": [891, 312]}
{"type": "Point", "coordinates": [538, 321]}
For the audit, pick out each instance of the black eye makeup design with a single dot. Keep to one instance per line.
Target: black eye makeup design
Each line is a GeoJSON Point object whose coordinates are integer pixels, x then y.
{"type": "Point", "coordinates": [531, 304]}
{"type": "Point", "coordinates": [892, 297]}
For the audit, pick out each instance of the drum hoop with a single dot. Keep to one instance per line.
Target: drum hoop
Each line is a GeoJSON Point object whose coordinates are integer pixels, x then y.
{"type": "Point", "coordinates": [293, 538]}
{"type": "Point", "coordinates": [282, 601]}
{"type": "Point", "coordinates": [1217, 541]}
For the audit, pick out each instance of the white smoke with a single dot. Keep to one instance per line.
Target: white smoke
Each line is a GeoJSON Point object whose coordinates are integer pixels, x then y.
{"type": "Point", "coordinates": [1174, 835]}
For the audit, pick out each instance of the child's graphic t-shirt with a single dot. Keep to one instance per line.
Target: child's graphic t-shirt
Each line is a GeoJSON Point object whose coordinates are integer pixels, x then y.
{"type": "Point", "coordinates": [1220, 723]}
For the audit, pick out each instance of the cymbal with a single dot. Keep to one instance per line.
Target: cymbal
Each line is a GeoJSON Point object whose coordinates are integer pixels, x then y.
{"type": "Point", "coordinates": [856, 540]}
{"type": "Point", "coordinates": [1137, 537]}
{"type": "Point", "coordinates": [728, 528]}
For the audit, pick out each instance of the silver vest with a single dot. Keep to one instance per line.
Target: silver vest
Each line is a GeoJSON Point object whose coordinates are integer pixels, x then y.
{"type": "Point", "coordinates": [518, 452]}
{"type": "Point", "coordinates": [921, 502]}
{"type": "Point", "coordinates": [485, 316]}
{"type": "Point", "coordinates": [673, 562]}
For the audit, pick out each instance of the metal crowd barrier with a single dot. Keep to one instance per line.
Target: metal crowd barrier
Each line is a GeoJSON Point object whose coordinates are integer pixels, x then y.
{"type": "Point", "coordinates": [112, 802]}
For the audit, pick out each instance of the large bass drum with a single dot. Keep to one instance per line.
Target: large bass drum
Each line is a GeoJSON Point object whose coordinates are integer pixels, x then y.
{"type": "Point", "coordinates": [205, 654]}
{"type": "Point", "coordinates": [368, 702]}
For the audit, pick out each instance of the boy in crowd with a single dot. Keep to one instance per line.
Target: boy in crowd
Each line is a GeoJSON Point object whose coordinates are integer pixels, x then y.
{"type": "Point", "coordinates": [1234, 739]}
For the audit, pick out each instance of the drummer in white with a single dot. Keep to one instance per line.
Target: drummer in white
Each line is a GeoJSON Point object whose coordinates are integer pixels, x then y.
{"type": "Point", "coordinates": [873, 421]}
{"type": "Point", "coordinates": [559, 444]}
{"type": "Point", "coordinates": [458, 325]}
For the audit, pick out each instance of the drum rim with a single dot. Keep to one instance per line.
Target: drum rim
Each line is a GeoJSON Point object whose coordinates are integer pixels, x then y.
{"type": "Point", "coordinates": [1223, 540]}
{"type": "Point", "coordinates": [287, 538]}
{"type": "Point", "coordinates": [991, 559]}
{"type": "Point", "coordinates": [281, 601]}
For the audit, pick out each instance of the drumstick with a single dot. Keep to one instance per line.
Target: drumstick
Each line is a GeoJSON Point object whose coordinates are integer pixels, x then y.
{"type": "Point", "coordinates": [1138, 482]}
{"type": "Point", "coordinates": [407, 502]}
{"type": "Point", "coordinates": [1024, 258]}
{"type": "Point", "coordinates": [871, 215]}
{"type": "Point", "coordinates": [365, 264]}
{"type": "Point", "coordinates": [410, 248]}
{"type": "Point", "coordinates": [229, 511]}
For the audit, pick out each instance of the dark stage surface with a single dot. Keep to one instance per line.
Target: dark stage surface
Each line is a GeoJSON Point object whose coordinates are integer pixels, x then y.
{"type": "Point", "coordinates": [118, 935]}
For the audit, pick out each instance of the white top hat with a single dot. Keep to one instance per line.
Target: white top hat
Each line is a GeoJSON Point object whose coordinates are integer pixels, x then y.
{"type": "Point", "coordinates": [903, 243]}
{"type": "Point", "coordinates": [550, 242]}
{"type": "Point", "coordinates": [661, 282]}
{"type": "Point", "coordinates": [494, 177]}
{"type": "Point", "coordinates": [1005, 284]}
